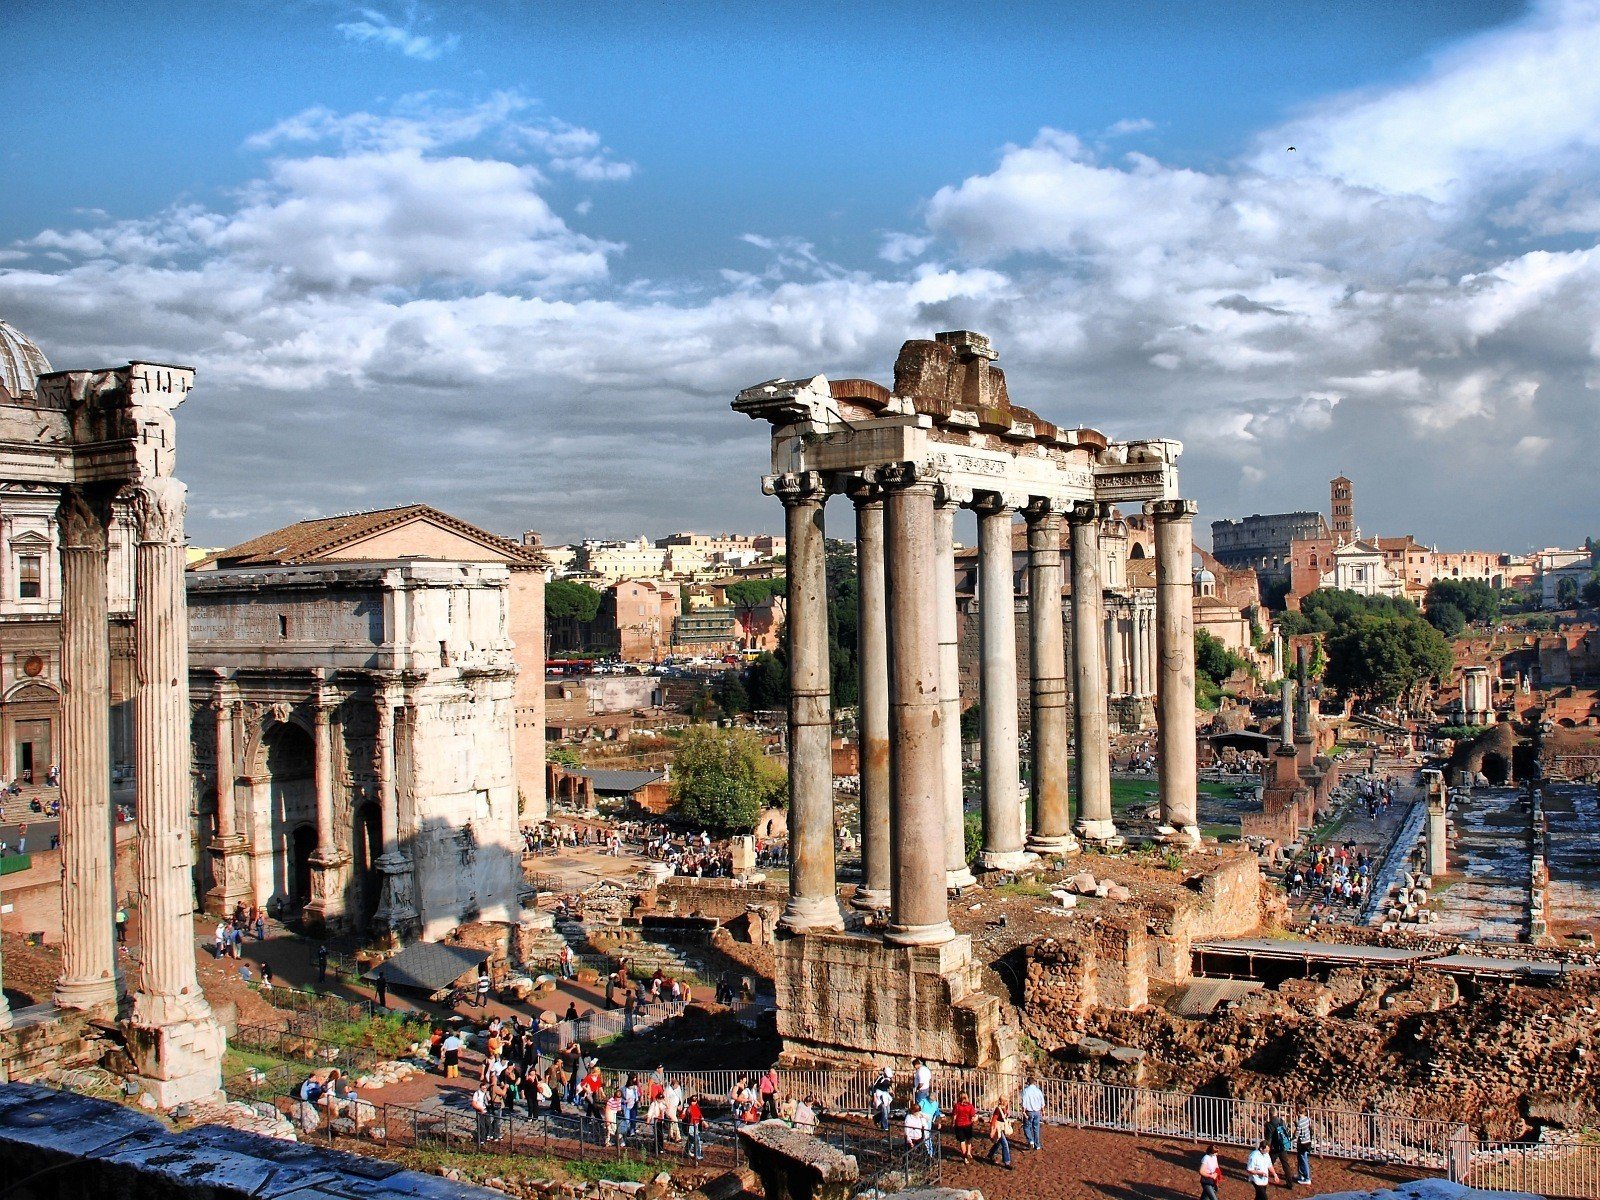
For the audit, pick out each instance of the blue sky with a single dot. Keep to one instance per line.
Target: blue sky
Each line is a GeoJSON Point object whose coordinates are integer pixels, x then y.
{"type": "Point", "coordinates": [514, 259]}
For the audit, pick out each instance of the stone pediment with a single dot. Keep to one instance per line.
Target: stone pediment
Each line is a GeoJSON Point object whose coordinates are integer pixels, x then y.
{"type": "Point", "coordinates": [30, 538]}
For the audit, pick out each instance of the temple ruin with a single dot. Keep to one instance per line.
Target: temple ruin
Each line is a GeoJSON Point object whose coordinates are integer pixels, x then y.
{"type": "Point", "coordinates": [945, 437]}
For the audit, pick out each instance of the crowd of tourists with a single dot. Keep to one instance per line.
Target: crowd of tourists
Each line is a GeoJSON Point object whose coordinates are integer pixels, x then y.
{"type": "Point", "coordinates": [227, 940]}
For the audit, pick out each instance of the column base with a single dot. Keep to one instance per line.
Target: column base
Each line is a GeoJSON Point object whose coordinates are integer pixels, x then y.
{"type": "Point", "coordinates": [231, 867]}
{"type": "Point", "coordinates": [326, 908]}
{"type": "Point", "coordinates": [954, 881]}
{"type": "Point", "coordinates": [177, 1063]}
{"type": "Point", "coordinates": [88, 995]}
{"type": "Point", "coordinates": [1061, 845]}
{"type": "Point", "coordinates": [1006, 860]}
{"type": "Point", "coordinates": [397, 913]}
{"type": "Point", "coordinates": [919, 935]}
{"type": "Point", "coordinates": [812, 914]}
{"type": "Point", "coordinates": [870, 899]}
{"type": "Point", "coordinates": [1102, 834]}
{"type": "Point", "coordinates": [1183, 835]}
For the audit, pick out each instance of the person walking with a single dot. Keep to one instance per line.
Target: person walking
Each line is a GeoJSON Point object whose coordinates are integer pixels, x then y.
{"type": "Point", "coordinates": [883, 1099]}
{"type": "Point", "coordinates": [122, 925]}
{"type": "Point", "coordinates": [480, 1115]}
{"type": "Point", "coordinates": [1302, 1146]}
{"type": "Point", "coordinates": [322, 963]}
{"type": "Point", "coordinates": [768, 1087]}
{"type": "Point", "coordinates": [695, 1120]}
{"type": "Point", "coordinates": [266, 977]}
{"type": "Point", "coordinates": [1210, 1174]}
{"type": "Point", "coordinates": [1281, 1143]}
{"type": "Point", "coordinates": [1259, 1169]}
{"type": "Point", "coordinates": [380, 986]}
{"type": "Point", "coordinates": [483, 990]}
{"type": "Point", "coordinates": [962, 1120]}
{"type": "Point", "coordinates": [1033, 1114]}
{"type": "Point", "coordinates": [921, 1081]}
{"type": "Point", "coordinates": [1000, 1136]}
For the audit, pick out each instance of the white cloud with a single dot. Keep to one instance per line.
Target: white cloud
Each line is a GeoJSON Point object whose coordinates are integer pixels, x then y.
{"type": "Point", "coordinates": [374, 28]}
{"type": "Point", "coordinates": [1128, 126]}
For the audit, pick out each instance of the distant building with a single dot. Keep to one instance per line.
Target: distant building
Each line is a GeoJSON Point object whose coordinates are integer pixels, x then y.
{"type": "Point", "coordinates": [1359, 567]}
{"type": "Point", "coordinates": [1264, 543]}
{"type": "Point", "coordinates": [1342, 508]}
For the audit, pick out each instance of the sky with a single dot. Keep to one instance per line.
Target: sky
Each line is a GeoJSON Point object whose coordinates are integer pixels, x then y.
{"type": "Point", "coordinates": [515, 259]}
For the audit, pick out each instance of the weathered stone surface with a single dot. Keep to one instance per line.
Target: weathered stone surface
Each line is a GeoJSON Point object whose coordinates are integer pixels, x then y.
{"type": "Point", "coordinates": [797, 1166]}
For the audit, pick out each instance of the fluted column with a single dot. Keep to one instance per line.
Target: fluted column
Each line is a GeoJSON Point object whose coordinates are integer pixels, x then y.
{"type": "Point", "coordinates": [396, 914]}
{"type": "Point", "coordinates": [1052, 803]}
{"type": "Point", "coordinates": [997, 624]}
{"type": "Point", "coordinates": [813, 895]}
{"type": "Point", "coordinates": [919, 911]}
{"type": "Point", "coordinates": [872, 656]}
{"type": "Point", "coordinates": [89, 976]}
{"type": "Point", "coordinates": [1090, 722]}
{"type": "Point", "coordinates": [229, 849]}
{"type": "Point", "coordinates": [1175, 665]}
{"type": "Point", "coordinates": [1141, 651]}
{"type": "Point", "coordinates": [173, 1038]}
{"type": "Point", "coordinates": [958, 874]}
{"type": "Point", "coordinates": [327, 905]}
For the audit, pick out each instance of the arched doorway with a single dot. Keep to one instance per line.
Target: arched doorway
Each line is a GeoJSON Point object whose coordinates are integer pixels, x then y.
{"type": "Point", "coordinates": [302, 842]}
{"type": "Point", "coordinates": [1495, 768]}
{"type": "Point", "coordinates": [367, 844]}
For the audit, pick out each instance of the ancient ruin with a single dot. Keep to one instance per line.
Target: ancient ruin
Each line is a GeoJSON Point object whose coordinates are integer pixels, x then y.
{"type": "Point", "coordinates": [947, 436]}
{"type": "Point", "coordinates": [91, 439]}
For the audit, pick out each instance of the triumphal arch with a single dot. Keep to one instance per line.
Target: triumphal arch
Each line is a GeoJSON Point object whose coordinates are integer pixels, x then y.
{"type": "Point", "coordinates": [947, 436]}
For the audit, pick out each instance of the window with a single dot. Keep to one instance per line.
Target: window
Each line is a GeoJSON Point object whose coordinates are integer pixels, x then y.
{"type": "Point", "coordinates": [29, 577]}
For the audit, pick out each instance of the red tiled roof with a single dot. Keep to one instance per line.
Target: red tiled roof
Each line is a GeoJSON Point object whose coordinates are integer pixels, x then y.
{"type": "Point", "coordinates": [312, 540]}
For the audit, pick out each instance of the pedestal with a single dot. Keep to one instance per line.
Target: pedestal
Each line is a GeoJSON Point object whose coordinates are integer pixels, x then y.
{"type": "Point", "coordinates": [1100, 834]}
{"type": "Point", "coordinates": [230, 867]}
{"type": "Point", "coordinates": [177, 1061]}
{"type": "Point", "coordinates": [325, 911]}
{"type": "Point", "coordinates": [849, 999]}
{"type": "Point", "coordinates": [397, 906]}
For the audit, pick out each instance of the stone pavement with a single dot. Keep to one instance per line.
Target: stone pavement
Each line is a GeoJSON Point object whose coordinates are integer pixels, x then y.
{"type": "Point", "coordinates": [1083, 1164]}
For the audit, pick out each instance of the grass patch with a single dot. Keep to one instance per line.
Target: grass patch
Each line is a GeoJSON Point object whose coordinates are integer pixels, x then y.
{"type": "Point", "coordinates": [388, 1037]}
{"type": "Point", "coordinates": [237, 1062]}
{"type": "Point", "coordinates": [480, 1166]}
{"type": "Point", "coordinates": [1023, 887]}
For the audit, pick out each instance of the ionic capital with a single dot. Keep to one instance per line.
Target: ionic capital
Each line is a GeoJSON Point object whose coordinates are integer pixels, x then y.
{"type": "Point", "coordinates": [797, 487]}
{"type": "Point", "coordinates": [907, 475]}
{"type": "Point", "coordinates": [1170, 510]}
{"type": "Point", "coordinates": [1045, 508]}
{"type": "Point", "coordinates": [993, 503]}
{"type": "Point", "coordinates": [158, 507]}
{"type": "Point", "coordinates": [951, 496]}
{"type": "Point", "coordinates": [862, 487]}
{"type": "Point", "coordinates": [1087, 512]}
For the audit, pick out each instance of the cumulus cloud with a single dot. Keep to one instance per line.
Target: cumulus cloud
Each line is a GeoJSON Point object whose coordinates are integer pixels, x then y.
{"type": "Point", "coordinates": [371, 27]}
{"type": "Point", "coordinates": [399, 307]}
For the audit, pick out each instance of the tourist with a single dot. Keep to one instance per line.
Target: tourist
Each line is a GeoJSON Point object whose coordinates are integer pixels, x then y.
{"type": "Point", "coordinates": [1302, 1139]}
{"type": "Point", "coordinates": [916, 1129]}
{"type": "Point", "coordinates": [122, 925]}
{"type": "Point", "coordinates": [768, 1087]}
{"type": "Point", "coordinates": [656, 1119]}
{"type": "Point", "coordinates": [566, 962]}
{"type": "Point", "coordinates": [805, 1115]}
{"type": "Point", "coordinates": [999, 1136]}
{"type": "Point", "coordinates": [963, 1117]}
{"type": "Point", "coordinates": [612, 1114]}
{"type": "Point", "coordinates": [696, 1120]}
{"type": "Point", "coordinates": [1033, 1114]}
{"type": "Point", "coordinates": [450, 1054]}
{"type": "Point", "coordinates": [1260, 1170]}
{"type": "Point", "coordinates": [1210, 1174]}
{"type": "Point", "coordinates": [672, 1098]}
{"type": "Point", "coordinates": [1282, 1144]}
{"type": "Point", "coordinates": [219, 936]}
{"type": "Point", "coordinates": [921, 1080]}
{"type": "Point", "coordinates": [322, 963]}
{"type": "Point", "coordinates": [882, 1099]}
{"type": "Point", "coordinates": [480, 1122]}
{"type": "Point", "coordinates": [483, 990]}
{"type": "Point", "coordinates": [380, 988]}
{"type": "Point", "coordinates": [266, 977]}
{"type": "Point", "coordinates": [556, 1078]}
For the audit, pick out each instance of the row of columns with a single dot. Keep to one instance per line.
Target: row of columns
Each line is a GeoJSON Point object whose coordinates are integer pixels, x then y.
{"type": "Point", "coordinates": [1132, 651]}
{"type": "Point", "coordinates": [912, 813]}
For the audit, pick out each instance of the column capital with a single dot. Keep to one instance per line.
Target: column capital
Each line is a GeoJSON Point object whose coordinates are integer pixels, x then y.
{"type": "Point", "coordinates": [797, 487]}
{"type": "Point", "coordinates": [224, 695]}
{"type": "Point", "coordinates": [948, 495]}
{"type": "Point", "coordinates": [158, 507]}
{"type": "Point", "coordinates": [908, 474]}
{"type": "Point", "coordinates": [993, 503]}
{"type": "Point", "coordinates": [1043, 508]}
{"type": "Point", "coordinates": [84, 517]}
{"type": "Point", "coordinates": [1085, 512]}
{"type": "Point", "coordinates": [862, 489]}
{"type": "Point", "coordinates": [1170, 510]}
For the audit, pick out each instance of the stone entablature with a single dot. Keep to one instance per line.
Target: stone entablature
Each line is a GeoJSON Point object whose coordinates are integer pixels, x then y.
{"type": "Point", "coordinates": [357, 762]}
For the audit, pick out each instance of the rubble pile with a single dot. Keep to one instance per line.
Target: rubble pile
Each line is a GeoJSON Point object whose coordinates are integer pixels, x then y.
{"type": "Point", "coordinates": [1507, 1056]}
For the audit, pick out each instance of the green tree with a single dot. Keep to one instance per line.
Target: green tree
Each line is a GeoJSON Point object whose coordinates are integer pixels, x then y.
{"type": "Point", "coordinates": [1475, 600]}
{"type": "Point", "coordinates": [1214, 660]}
{"type": "Point", "coordinates": [766, 682]}
{"type": "Point", "coordinates": [1447, 618]}
{"type": "Point", "coordinates": [1591, 590]}
{"type": "Point", "coordinates": [843, 589]}
{"type": "Point", "coordinates": [722, 780]}
{"type": "Point", "coordinates": [1385, 658]}
{"type": "Point", "coordinates": [567, 601]}
{"type": "Point", "coordinates": [566, 756]}
{"type": "Point", "coordinates": [729, 693]}
{"type": "Point", "coordinates": [1568, 593]}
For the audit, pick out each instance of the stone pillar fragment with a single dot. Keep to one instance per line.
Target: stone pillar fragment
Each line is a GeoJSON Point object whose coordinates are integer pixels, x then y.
{"type": "Point", "coordinates": [997, 620]}
{"type": "Point", "coordinates": [957, 872]}
{"type": "Point", "coordinates": [175, 1042]}
{"type": "Point", "coordinates": [1175, 727]}
{"type": "Point", "coordinates": [1090, 722]}
{"type": "Point", "coordinates": [89, 978]}
{"type": "Point", "coordinates": [872, 655]}
{"type": "Point", "coordinates": [919, 912]}
{"type": "Point", "coordinates": [813, 888]}
{"type": "Point", "coordinates": [1052, 803]}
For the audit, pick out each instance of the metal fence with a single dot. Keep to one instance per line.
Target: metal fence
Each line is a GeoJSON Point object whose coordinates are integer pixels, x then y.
{"type": "Point", "coordinates": [1542, 1168]}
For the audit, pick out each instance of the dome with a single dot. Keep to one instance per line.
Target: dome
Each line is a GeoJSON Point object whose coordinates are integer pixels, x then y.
{"type": "Point", "coordinates": [21, 363]}
{"type": "Point", "coordinates": [1204, 576]}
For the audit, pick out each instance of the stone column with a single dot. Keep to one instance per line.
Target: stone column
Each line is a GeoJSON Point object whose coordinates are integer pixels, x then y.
{"type": "Point", "coordinates": [1175, 728]}
{"type": "Point", "coordinates": [919, 912]}
{"type": "Point", "coordinates": [1141, 648]}
{"type": "Point", "coordinates": [1052, 804]}
{"type": "Point", "coordinates": [1090, 723]}
{"type": "Point", "coordinates": [327, 905]}
{"type": "Point", "coordinates": [958, 874]}
{"type": "Point", "coordinates": [229, 849]}
{"type": "Point", "coordinates": [997, 625]}
{"type": "Point", "coordinates": [813, 888]}
{"type": "Point", "coordinates": [872, 654]}
{"type": "Point", "coordinates": [397, 910]}
{"type": "Point", "coordinates": [175, 1042]}
{"type": "Point", "coordinates": [89, 977]}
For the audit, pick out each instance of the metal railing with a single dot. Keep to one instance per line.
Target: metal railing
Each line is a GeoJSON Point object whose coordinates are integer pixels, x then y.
{"type": "Point", "coordinates": [1542, 1168]}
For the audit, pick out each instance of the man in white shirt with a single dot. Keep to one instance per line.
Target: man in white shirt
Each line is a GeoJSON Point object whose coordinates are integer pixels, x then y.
{"type": "Point", "coordinates": [1259, 1168]}
{"type": "Point", "coordinates": [1033, 1114]}
{"type": "Point", "coordinates": [480, 1115]}
{"type": "Point", "coordinates": [921, 1081]}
